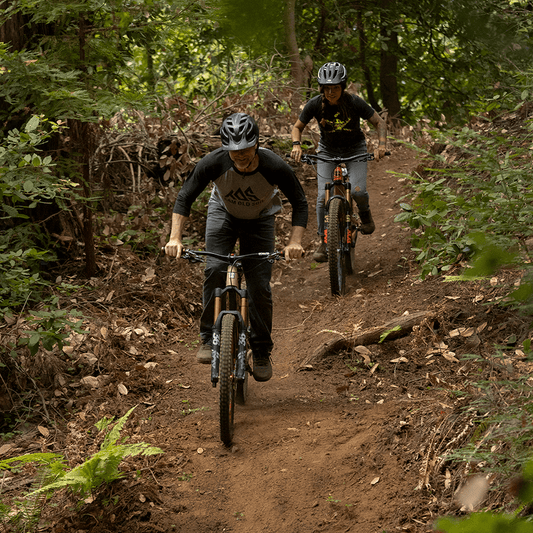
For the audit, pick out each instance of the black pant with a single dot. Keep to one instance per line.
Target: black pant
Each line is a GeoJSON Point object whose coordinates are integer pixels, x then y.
{"type": "Point", "coordinates": [257, 235]}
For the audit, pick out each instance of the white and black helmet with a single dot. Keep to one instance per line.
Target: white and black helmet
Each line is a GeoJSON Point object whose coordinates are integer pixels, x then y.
{"type": "Point", "coordinates": [332, 73]}
{"type": "Point", "coordinates": [239, 131]}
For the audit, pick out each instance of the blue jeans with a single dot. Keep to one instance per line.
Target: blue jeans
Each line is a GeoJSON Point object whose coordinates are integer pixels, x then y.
{"type": "Point", "coordinates": [257, 235]}
{"type": "Point", "coordinates": [356, 172]}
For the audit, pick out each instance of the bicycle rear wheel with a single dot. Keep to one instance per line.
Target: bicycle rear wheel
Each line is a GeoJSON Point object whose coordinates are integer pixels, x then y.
{"type": "Point", "coordinates": [229, 339]}
{"type": "Point", "coordinates": [336, 254]}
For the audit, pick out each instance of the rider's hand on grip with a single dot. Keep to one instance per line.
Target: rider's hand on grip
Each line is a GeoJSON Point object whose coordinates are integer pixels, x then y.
{"type": "Point", "coordinates": [293, 251]}
{"type": "Point", "coordinates": [174, 248]}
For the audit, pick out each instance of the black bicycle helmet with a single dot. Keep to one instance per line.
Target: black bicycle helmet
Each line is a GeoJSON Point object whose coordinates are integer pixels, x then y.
{"type": "Point", "coordinates": [332, 74]}
{"type": "Point", "coordinates": [239, 131]}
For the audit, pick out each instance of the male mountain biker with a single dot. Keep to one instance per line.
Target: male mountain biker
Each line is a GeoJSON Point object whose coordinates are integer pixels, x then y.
{"type": "Point", "coordinates": [338, 114]}
{"type": "Point", "coordinates": [243, 204]}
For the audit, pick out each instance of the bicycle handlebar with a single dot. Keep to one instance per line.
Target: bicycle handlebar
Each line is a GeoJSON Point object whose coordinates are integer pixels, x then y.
{"type": "Point", "coordinates": [310, 158]}
{"type": "Point", "coordinates": [194, 256]}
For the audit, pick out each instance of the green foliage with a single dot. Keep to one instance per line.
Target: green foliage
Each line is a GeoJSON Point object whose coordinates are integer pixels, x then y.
{"type": "Point", "coordinates": [256, 26]}
{"type": "Point", "coordinates": [102, 467]}
{"type": "Point", "coordinates": [490, 522]}
{"type": "Point", "coordinates": [26, 182]}
{"type": "Point", "coordinates": [50, 328]}
{"type": "Point", "coordinates": [19, 277]}
{"type": "Point", "coordinates": [486, 523]}
{"type": "Point", "coordinates": [84, 479]}
{"type": "Point", "coordinates": [26, 178]}
{"type": "Point", "coordinates": [483, 190]}
{"type": "Point", "coordinates": [385, 334]}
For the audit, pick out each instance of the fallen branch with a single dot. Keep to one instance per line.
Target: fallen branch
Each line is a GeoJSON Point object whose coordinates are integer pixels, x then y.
{"type": "Point", "coordinates": [398, 327]}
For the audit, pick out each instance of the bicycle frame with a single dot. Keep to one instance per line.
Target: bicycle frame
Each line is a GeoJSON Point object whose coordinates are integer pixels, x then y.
{"type": "Point", "coordinates": [341, 188]}
{"type": "Point", "coordinates": [231, 299]}
{"type": "Point", "coordinates": [340, 228]}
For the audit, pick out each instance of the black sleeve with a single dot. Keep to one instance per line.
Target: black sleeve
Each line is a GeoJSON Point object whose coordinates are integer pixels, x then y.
{"type": "Point", "coordinates": [311, 110]}
{"type": "Point", "coordinates": [208, 169]}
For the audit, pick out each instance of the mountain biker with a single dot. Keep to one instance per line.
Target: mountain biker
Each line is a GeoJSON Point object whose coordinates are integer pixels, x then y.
{"type": "Point", "coordinates": [243, 204]}
{"type": "Point", "coordinates": [338, 114]}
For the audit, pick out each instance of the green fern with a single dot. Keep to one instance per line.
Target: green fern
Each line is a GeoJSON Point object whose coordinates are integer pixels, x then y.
{"type": "Point", "coordinates": [102, 467]}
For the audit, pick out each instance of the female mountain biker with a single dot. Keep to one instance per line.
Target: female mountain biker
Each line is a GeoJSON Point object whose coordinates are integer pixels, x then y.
{"type": "Point", "coordinates": [338, 114]}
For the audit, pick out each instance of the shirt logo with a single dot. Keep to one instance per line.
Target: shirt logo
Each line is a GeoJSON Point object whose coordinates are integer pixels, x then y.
{"type": "Point", "coordinates": [242, 196]}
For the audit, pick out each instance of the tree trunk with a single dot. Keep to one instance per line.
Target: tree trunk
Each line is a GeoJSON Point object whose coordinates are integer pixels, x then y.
{"type": "Point", "coordinates": [82, 143]}
{"type": "Point", "coordinates": [297, 66]}
{"type": "Point", "coordinates": [389, 68]}
{"type": "Point", "coordinates": [371, 97]}
{"type": "Point", "coordinates": [12, 32]}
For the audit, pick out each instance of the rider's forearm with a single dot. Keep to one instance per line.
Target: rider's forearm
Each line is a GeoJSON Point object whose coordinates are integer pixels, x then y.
{"type": "Point", "coordinates": [297, 234]}
{"type": "Point", "coordinates": [296, 134]}
{"type": "Point", "coordinates": [178, 223]}
{"type": "Point", "coordinates": [382, 132]}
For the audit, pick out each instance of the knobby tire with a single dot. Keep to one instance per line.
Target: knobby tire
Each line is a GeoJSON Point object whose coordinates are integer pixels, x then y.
{"type": "Point", "coordinates": [229, 339]}
{"type": "Point", "coordinates": [336, 256]}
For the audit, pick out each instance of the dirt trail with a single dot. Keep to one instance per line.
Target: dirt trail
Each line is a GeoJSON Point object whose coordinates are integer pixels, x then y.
{"type": "Point", "coordinates": [315, 449]}
{"type": "Point", "coordinates": [342, 443]}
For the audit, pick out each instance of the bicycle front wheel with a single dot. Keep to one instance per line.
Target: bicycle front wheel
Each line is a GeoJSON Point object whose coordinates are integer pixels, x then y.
{"type": "Point", "coordinates": [350, 257]}
{"type": "Point", "coordinates": [336, 255]}
{"type": "Point", "coordinates": [229, 339]}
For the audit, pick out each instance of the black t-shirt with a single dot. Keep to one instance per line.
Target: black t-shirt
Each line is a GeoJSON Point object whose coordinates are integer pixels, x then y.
{"type": "Point", "coordinates": [336, 134]}
{"type": "Point", "coordinates": [245, 195]}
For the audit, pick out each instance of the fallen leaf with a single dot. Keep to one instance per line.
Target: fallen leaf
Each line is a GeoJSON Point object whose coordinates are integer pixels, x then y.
{"type": "Point", "coordinates": [5, 448]}
{"type": "Point", "coordinates": [150, 275]}
{"type": "Point", "coordinates": [122, 389]}
{"type": "Point", "coordinates": [362, 349]}
{"type": "Point", "coordinates": [468, 332]}
{"type": "Point", "coordinates": [473, 492]}
{"type": "Point", "coordinates": [90, 381]}
{"type": "Point", "coordinates": [450, 356]}
{"type": "Point", "coordinates": [447, 479]}
{"type": "Point", "coordinates": [400, 360]}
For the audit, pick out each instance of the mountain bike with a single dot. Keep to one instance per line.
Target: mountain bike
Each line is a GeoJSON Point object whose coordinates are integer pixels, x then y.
{"type": "Point", "coordinates": [230, 356]}
{"type": "Point", "coordinates": [341, 223]}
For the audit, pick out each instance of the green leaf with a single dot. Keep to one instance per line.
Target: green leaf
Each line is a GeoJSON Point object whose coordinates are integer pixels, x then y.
{"type": "Point", "coordinates": [385, 334]}
{"type": "Point", "coordinates": [32, 124]}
